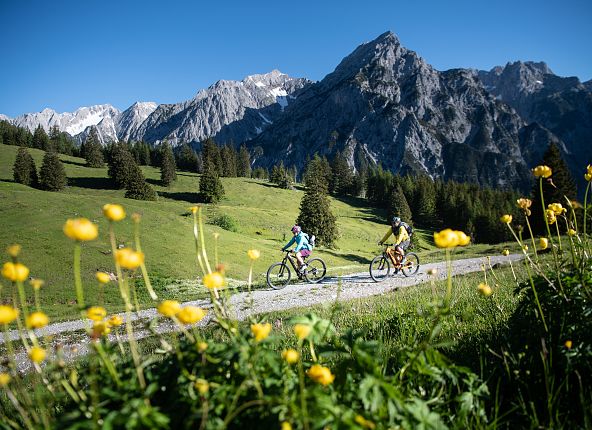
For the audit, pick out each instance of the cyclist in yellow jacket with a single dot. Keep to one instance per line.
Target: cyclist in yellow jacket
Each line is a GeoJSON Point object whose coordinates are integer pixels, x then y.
{"type": "Point", "coordinates": [401, 239]}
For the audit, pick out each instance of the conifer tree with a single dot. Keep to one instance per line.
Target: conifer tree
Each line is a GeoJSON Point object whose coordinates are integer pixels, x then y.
{"type": "Point", "coordinates": [136, 186]}
{"type": "Point", "coordinates": [52, 176]}
{"type": "Point", "coordinates": [121, 165]}
{"type": "Point", "coordinates": [229, 161]}
{"type": "Point", "coordinates": [398, 206]}
{"type": "Point", "coordinates": [187, 159]}
{"type": "Point", "coordinates": [244, 162]}
{"type": "Point", "coordinates": [24, 170]}
{"type": "Point", "coordinates": [425, 201]}
{"type": "Point", "coordinates": [167, 166]}
{"type": "Point", "coordinates": [210, 186]}
{"type": "Point", "coordinates": [560, 184]}
{"type": "Point", "coordinates": [40, 139]}
{"type": "Point", "coordinates": [341, 175]}
{"type": "Point", "coordinates": [211, 153]}
{"type": "Point", "coordinates": [315, 212]}
{"type": "Point", "coordinates": [93, 151]}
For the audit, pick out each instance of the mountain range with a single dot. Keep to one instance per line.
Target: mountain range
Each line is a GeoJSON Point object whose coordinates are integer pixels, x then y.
{"type": "Point", "coordinates": [383, 104]}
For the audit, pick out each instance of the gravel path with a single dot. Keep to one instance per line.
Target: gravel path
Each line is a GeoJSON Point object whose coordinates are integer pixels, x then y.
{"type": "Point", "coordinates": [72, 337]}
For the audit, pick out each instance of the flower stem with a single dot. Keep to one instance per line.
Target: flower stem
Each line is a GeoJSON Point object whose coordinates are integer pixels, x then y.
{"type": "Point", "coordinates": [153, 295]}
{"type": "Point", "coordinates": [78, 279]}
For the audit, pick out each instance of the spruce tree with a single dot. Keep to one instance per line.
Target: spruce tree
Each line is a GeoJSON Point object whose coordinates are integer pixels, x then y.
{"type": "Point", "coordinates": [229, 161]}
{"type": "Point", "coordinates": [167, 166]}
{"type": "Point", "coordinates": [244, 162]}
{"type": "Point", "coordinates": [211, 153]}
{"type": "Point", "coordinates": [121, 165]}
{"type": "Point", "coordinates": [187, 159]}
{"type": "Point", "coordinates": [93, 153]}
{"type": "Point", "coordinates": [40, 139]}
{"type": "Point", "coordinates": [425, 201]}
{"type": "Point", "coordinates": [210, 186]}
{"type": "Point", "coordinates": [398, 206]}
{"type": "Point", "coordinates": [24, 170]}
{"type": "Point", "coordinates": [341, 175]}
{"type": "Point", "coordinates": [315, 212]}
{"type": "Point", "coordinates": [560, 185]}
{"type": "Point", "coordinates": [136, 186]}
{"type": "Point", "coordinates": [52, 176]}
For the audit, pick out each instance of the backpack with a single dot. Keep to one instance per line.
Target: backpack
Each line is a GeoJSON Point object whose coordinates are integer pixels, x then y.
{"type": "Point", "coordinates": [408, 228]}
{"type": "Point", "coordinates": [311, 239]}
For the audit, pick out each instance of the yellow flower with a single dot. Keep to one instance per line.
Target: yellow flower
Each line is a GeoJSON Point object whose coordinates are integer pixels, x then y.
{"type": "Point", "coordinates": [485, 289]}
{"type": "Point", "coordinates": [213, 280]}
{"type": "Point", "coordinates": [15, 271]}
{"type": "Point", "coordinates": [568, 344]}
{"type": "Point", "coordinates": [36, 320]}
{"type": "Point", "coordinates": [37, 354]}
{"type": "Point", "coordinates": [169, 308]}
{"type": "Point", "coordinates": [571, 232]}
{"type": "Point", "coordinates": [320, 374]}
{"type": "Point", "coordinates": [101, 328]}
{"type": "Point", "coordinates": [260, 331]}
{"type": "Point", "coordinates": [446, 239]}
{"type": "Point", "coordinates": [588, 177]}
{"type": "Point", "coordinates": [463, 239]}
{"type": "Point", "coordinates": [432, 272]}
{"type": "Point", "coordinates": [4, 379]}
{"type": "Point", "coordinates": [136, 217]}
{"type": "Point", "coordinates": [80, 229]}
{"type": "Point", "coordinates": [37, 283]}
{"type": "Point", "coordinates": [557, 208]}
{"type": "Point", "coordinates": [367, 424]}
{"type": "Point", "coordinates": [506, 219]}
{"type": "Point", "coordinates": [506, 252]}
{"type": "Point", "coordinates": [286, 426]}
{"type": "Point", "coordinates": [524, 203]}
{"type": "Point", "coordinates": [96, 313]}
{"type": "Point", "coordinates": [194, 209]}
{"type": "Point", "coordinates": [302, 330]}
{"type": "Point", "coordinates": [525, 247]}
{"type": "Point", "coordinates": [113, 212]}
{"type": "Point", "coordinates": [291, 356]}
{"type": "Point", "coordinates": [202, 386]}
{"type": "Point", "coordinates": [542, 171]}
{"type": "Point", "coordinates": [544, 243]}
{"type": "Point", "coordinates": [551, 218]}
{"type": "Point", "coordinates": [14, 250]}
{"type": "Point", "coordinates": [7, 314]}
{"type": "Point", "coordinates": [115, 321]}
{"type": "Point", "coordinates": [201, 347]}
{"type": "Point", "coordinates": [191, 314]}
{"type": "Point", "coordinates": [102, 277]}
{"type": "Point", "coordinates": [128, 258]}
{"type": "Point", "coordinates": [253, 254]}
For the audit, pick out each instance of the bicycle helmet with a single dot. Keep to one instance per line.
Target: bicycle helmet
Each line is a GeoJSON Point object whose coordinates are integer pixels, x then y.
{"type": "Point", "coordinates": [396, 220]}
{"type": "Point", "coordinates": [296, 229]}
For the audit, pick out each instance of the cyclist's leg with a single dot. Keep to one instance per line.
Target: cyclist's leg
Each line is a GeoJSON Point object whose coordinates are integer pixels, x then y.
{"type": "Point", "coordinates": [299, 259]}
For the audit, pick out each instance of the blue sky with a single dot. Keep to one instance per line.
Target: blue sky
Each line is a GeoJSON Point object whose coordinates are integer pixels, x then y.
{"type": "Point", "coordinates": [67, 54]}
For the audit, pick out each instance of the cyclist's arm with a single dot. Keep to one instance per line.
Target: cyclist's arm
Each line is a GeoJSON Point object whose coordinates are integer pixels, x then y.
{"type": "Point", "coordinates": [387, 235]}
{"type": "Point", "coordinates": [289, 244]}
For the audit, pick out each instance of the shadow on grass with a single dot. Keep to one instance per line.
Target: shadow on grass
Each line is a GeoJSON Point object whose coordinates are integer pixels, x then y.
{"type": "Point", "coordinates": [75, 163]}
{"type": "Point", "coordinates": [184, 197]}
{"type": "Point", "coordinates": [92, 183]}
{"type": "Point", "coordinates": [157, 182]}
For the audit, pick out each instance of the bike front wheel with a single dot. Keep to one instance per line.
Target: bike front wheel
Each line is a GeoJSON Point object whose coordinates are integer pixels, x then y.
{"type": "Point", "coordinates": [315, 270]}
{"type": "Point", "coordinates": [278, 276]}
{"type": "Point", "coordinates": [379, 268]}
{"type": "Point", "coordinates": [411, 264]}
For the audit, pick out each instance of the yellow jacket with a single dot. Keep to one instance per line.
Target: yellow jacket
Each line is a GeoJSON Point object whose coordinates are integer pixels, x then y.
{"type": "Point", "coordinates": [401, 237]}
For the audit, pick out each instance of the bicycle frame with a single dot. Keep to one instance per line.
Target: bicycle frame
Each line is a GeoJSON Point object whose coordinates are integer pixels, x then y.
{"type": "Point", "coordinates": [292, 261]}
{"type": "Point", "coordinates": [390, 257]}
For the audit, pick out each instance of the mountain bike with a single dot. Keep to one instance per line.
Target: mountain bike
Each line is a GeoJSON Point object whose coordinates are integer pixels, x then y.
{"type": "Point", "coordinates": [279, 274]}
{"type": "Point", "coordinates": [380, 267]}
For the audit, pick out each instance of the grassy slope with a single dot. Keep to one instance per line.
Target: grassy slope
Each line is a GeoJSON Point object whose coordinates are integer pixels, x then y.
{"type": "Point", "coordinates": [264, 214]}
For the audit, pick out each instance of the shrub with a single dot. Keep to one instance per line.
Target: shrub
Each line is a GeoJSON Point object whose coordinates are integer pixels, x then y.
{"type": "Point", "coordinates": [226, 222]}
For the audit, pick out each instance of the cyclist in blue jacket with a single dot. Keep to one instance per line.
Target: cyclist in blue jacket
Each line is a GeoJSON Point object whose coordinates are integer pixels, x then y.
{"type": "Point", "coordinates": [303, 247]}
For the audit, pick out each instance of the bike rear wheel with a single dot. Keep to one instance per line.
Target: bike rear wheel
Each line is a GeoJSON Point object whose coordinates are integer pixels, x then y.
{"type": "Point", "coordinates": [278, 276]}
{"type": "Point", "coordinates": [379, 268]}
{"type": "Point", "coordinates": [411, 264]}
{"type": "Point", "coordinates": [315, 270]}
